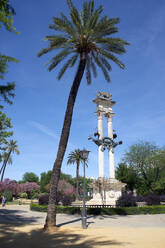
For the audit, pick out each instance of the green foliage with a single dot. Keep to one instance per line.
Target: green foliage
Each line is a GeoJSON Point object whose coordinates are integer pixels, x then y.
{"type": "Point", "coordinates": [6, 91]}
{"type": "Point", "coordinates": [10, 147]}
{"type": "Point", "coordinates": [8, 195]}
{"type": "Point", "coordinates": [127, 175]}
{"type": "Point", "coordinates": [66, 177]}
{"type": "Point", "coordinates": [103, 211]}
{"type": "Point", "coordinates": [30, 177]}
{"type": "Point", "coordinates": [60, 209]}
{"type": "Point", "coordinates": [86, 32]}
{"type": "Point", "coordinates": [6, 20]}
{"type": "Point", "coordinates": [6, 15]}
{"type": "Point", "coordinates": [143, 168]}
{"type": "Point", "coordinates": [23, 195]}
{"type": "Point", "coordinates": [46, 177]}
{"type": "Point", "coordinates": [5, 126]}
{"type": "Point", "coordinates": [45, 180]}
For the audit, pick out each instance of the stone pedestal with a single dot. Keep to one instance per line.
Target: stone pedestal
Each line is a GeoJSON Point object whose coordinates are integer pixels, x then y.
{"type": "Point", "coordinates": [106, 191]}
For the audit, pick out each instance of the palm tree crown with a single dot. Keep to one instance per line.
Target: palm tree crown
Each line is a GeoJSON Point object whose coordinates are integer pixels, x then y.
{"type": "Point", "coordinates": [11, 147]}
{"type": "Point", "coordinates": [87, 33]}
{"type": "Point", "coordinates": [76, 157]}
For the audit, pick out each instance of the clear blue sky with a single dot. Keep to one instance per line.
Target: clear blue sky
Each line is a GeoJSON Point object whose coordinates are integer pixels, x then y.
{"type": "Point", "coordinates": [39, 105]}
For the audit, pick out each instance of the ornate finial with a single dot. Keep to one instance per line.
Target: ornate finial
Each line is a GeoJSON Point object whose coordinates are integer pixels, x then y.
{"type": "Point", "coordinates": [104, 95]}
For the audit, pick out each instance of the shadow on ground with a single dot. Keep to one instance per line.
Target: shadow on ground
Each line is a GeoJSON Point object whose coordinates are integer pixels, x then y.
{"type": "Point", "coordinates": [12, 238]}
{"type": "Point", "coordinates": [8, 216]}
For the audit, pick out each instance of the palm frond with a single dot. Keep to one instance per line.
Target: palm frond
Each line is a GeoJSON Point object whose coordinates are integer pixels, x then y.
{"type": "Point", "coordinates": [101, 66]}
{"type": "Point", "coordinates": [45, 50]}
{"type": "Point", "coordinates": [76, 18]}
{"type": "Point", "coordinates": [106, 63]}
{"type": "Point", "coordinates": [93, 67]}
{"type": "Point", "coordinates": [61, 25]}
{"type": "Point", "coordinates": [58, 58]}
{"type": "Point", "coordinates": [113, 58]}
{"type": "Point", "coordinates": [70, 63]}
{"type": "Point", "coordinates": [87, 12]}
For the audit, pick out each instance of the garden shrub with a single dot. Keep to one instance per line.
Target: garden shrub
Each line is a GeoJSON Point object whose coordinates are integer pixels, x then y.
{"type": "Point", "coordinates": [8, 195]}
{"type": "Point", "coordinates": [43, 200]}
{"type": "Point", "coordinates": [126, 200]}
{"type": "Point", "coordinates": [152, 199]}
{"type": "Point", "coordinates": [162, 198]}
{"type": "Point", "coordinates": [103, 211]}
{"type": "Point", "coordinates": [67, 200]}
{"type": "Point", "coordinates": [23, 195]}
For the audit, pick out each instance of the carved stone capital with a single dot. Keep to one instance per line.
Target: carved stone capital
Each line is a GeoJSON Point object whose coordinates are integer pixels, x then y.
{"type": "Point", "coordinates": [109, 116]}
{"type": "Point", "coordinates": [99, 115]}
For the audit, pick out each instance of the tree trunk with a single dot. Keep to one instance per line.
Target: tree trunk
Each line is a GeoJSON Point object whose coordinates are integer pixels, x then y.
{"type": "Point", "coordinates": [1, 168]}
{"type": "Point", "coordinates": [4, 165]}
{"type": "Point", "coordinates": [51, 215]}
{"type": "Point", "coordinates": [77, 181]}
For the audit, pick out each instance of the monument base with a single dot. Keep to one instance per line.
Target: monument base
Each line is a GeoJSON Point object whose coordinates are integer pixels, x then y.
{"type": "Point", "coordinates": [106, 191]}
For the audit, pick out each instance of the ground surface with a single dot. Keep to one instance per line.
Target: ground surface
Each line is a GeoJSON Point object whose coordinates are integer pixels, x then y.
{"type": "Point", "coordinates": [22, 228]}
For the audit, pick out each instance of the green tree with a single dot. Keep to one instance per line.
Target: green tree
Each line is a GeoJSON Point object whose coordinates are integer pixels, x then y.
{"type": "Point", "coordinates": [6, 19]}
{"type": "Point", "coordinates": [30, 177]}
{"type": "Point", "coordinates": [11, 147]}
{"type": "Point", "coordinates": [75, 157]}
{"type": "Point", "coordinates": [6, 15]}
{"type": "Point", "coordinates": [5, 133]}
{"type": "Point", "coordinates": [146, 163]}
{"type": "Point", "coordinates": [127, 175]}
{"type": "Point", "coordinates": [85, 39]}
{"type": "Point", "coordinates": [45, 180]}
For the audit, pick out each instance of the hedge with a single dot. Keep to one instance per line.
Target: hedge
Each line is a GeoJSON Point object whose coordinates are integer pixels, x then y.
{"type": "Point", "coordinates": [159, 209]}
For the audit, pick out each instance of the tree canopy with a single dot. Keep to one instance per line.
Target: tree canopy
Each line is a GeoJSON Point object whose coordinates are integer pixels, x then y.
{"type": "Point", "coordinates": [143, 168]}
{"type": "Point", "coordinates": [30, 177]}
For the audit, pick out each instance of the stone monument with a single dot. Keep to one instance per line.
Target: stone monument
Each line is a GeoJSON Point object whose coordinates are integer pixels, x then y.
{"type": "Point", "coordinates": [106, 191]}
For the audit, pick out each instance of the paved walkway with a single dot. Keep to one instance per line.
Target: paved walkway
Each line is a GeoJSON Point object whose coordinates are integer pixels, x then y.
{"type": "Point", "coordinates": [21, 215]}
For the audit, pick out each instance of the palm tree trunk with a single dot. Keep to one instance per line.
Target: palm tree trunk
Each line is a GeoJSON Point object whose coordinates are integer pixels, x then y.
{"type": "Point", "coordinates": [1, 168]}
{"type": "Point", "coordinates": [77, 181]}
{"type": "Point", "coordinates": [51, 215]}
{"type": "Point", "coordinates": [4, 165]}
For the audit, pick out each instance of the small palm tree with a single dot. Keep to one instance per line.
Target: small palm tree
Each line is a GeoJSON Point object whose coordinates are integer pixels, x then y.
{"type": "Point", "coordinates": [11, 147]}
{"type": "Point", "coordinates": [85, 39]}
{"type": "Point", "coordinates": [76, 157]}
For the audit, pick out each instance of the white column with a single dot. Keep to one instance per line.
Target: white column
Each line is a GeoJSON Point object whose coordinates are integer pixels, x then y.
{"type": "Point", "coordinates": [100, 153]}
{"type": "Point", "coordinates": [111, 154]}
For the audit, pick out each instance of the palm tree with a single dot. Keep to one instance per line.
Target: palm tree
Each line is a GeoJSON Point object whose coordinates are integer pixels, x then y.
{"type": "Point", "coordinates": [84, 39]}
{"type": "Point", "coordinates": [76, 157]}
{"type": "Point", "coordinates": [11, 147]}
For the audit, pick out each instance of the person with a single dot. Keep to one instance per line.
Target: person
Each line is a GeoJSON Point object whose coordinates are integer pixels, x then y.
{"type": "Point", "coordinates": [3, 201]}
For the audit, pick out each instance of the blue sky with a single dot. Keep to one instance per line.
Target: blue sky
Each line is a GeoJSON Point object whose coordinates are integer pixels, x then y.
{"type": "Point", "coordinates": [39, 105]}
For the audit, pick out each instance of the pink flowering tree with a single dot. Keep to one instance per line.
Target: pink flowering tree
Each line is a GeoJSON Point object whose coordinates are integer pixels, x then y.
{"type": "Point", "coordinates": [16, 188]}
{"type": "Point", "coordinates": [65, 188]}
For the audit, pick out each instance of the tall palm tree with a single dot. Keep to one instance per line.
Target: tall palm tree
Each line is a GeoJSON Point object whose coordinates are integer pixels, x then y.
{"type": "Point", "coordinates": [76, 157]}
{"type": "Point", "coordinates": [84, 39]}
{"type": "Point", "coordinates": [11, 147]}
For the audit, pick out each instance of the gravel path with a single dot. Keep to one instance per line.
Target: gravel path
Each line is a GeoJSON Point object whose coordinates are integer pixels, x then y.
{"type": "Point", "coordinates": [21, 215]}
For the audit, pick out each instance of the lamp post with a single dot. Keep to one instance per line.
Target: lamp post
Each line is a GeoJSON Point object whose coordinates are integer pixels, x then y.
{"type": "Point", "coordinates": [84, 155]}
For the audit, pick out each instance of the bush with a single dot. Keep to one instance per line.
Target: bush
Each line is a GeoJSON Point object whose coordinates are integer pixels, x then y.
{"type": "Point", "coordinates": [8, 195]}
{"type": "Point", "coordinates": [43, 200]}
{"type": "Point", "coordinates": [152, 199]}
{"type": "Point", "coordinates": [23, 195]}
{"type": "Point", "coordinates": [59, 209]}
{"type": "Point", "coordinates": [67, 200]}
{"type": "Point", "coordinates": [103, 211]}
{"type": "Point", "coordinates": [126, 200]}
{"type": "Point", "coordinates": [162, 198]}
